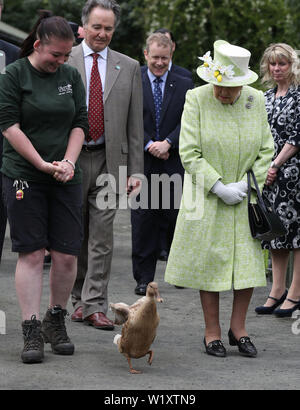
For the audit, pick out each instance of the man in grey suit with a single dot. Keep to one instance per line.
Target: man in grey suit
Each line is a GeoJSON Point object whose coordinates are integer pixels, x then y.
{"type": "Point", "coordinates": [114, 147]}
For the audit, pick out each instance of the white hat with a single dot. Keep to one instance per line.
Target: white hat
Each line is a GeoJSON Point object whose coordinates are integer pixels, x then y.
{"type": "Point", "coordinates": [230, 67]}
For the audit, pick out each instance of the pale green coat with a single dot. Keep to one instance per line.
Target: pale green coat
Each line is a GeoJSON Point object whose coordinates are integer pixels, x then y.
{"type": "Point", "coordinates": [215, 251]}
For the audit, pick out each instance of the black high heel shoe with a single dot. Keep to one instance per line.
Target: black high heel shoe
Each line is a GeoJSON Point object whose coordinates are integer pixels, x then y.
{"type": "Point", "coordinates": [268, 310]}
{"type": "Point", "coordinates": [246, 347]}
{"type": "Point", "coordinates": [215, 348]}
{"type": "Point", "coordinates": [288, 312]}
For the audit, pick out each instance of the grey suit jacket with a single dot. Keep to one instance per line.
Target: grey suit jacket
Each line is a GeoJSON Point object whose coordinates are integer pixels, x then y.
{"type": "Point", "coordinates": [123, 112]}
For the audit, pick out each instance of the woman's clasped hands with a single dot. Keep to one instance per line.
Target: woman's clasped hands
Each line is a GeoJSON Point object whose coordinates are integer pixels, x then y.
{"type": "Point", "coordinates": [62, 171]}
{"type": "Point", "coordinates": [232, 193]}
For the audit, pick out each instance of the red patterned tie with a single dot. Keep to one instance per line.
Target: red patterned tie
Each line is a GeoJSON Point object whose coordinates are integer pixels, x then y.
{"type": "Point", "coordinates": [96, 112]}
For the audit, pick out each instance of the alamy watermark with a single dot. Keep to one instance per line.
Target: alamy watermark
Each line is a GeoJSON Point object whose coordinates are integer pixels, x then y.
{"type": "Point", "coordinates": [296, 323]}
{"type": "Point", "coordinates": [161, 191]}
{"type": "Point", "coordinates": [2, 62]}
{"type": "Point", "coordinates": [2, 323]}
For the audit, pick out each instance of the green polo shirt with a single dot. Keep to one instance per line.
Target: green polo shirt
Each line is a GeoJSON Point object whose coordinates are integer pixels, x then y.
{"type": "Point", "coordinates": [47, 107]}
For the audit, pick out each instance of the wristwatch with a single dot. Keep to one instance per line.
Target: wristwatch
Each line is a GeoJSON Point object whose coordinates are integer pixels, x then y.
{"type": "Point", "coordinates": [273, 165]}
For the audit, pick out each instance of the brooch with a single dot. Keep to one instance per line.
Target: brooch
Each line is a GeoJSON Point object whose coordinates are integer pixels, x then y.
{"type": "Point", "coordinates": [250, 100]}
{"type": "Point", "coordinates": [117, 67]}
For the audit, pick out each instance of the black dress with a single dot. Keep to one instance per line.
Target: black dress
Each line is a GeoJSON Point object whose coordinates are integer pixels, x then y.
{"type": "Point", "coordinates": [284, 193]}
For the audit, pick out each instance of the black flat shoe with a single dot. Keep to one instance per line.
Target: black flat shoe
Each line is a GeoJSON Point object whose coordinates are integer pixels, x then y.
{"type": "Point", "coordinates": [215, 348]}
{"type": "Point", "coordinates": [268, 310]}
{"type": "Point", "coordinates": [287, 312]}
{"type": "Point", "coordinates": [141, 289]}
{"type": "Point", "coordinates": [246, 347]}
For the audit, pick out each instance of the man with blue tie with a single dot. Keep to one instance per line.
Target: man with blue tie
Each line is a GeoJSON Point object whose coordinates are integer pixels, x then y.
{"type": "Point", "coordinates": [183, 72]}
{"type": "Point", "coordinates": [163, 101]}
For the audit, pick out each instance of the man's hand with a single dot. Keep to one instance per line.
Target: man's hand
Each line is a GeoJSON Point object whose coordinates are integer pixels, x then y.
{"type": "Point", "coordinates": [160, 149]}
{"type": "Point", "coordinates": [134, 186]}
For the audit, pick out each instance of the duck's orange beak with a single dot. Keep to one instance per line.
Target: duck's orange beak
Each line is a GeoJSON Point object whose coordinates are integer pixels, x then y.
{"type": "Point", "coordinates": [158, 298]}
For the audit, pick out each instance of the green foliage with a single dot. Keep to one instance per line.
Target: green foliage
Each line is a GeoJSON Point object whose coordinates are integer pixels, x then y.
{"type": "Point", "coordinates": [128, 38]}
{"type": "Point", "coordinates": [24, 13]}
{"type": "Point", "coordinates": [130, 34]}
{"type": "Point", "coordinates": [196, 24]}
{"type": "Point", "coordinates": [294, 7]}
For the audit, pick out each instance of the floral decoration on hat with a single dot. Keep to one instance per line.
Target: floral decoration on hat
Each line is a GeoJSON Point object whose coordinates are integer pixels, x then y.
{"type": "Point", "coordinates": [214, 69]}
{"type": "Point", "coordinates": [228, 68]}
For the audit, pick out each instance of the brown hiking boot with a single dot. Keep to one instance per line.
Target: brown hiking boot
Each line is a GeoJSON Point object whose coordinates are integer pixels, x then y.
{"type": "Point", "coordinates": [54, 331]}
{"type": "Point", "coordinates": [33, 351]}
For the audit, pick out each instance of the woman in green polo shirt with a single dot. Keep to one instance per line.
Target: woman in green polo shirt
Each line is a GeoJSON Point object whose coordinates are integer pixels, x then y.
{"type": "Point", "coordinates": [44, 120]}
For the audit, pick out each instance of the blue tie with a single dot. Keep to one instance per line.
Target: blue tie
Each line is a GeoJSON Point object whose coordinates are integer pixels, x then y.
{"type": "Point", "coordinates": [157, 103]}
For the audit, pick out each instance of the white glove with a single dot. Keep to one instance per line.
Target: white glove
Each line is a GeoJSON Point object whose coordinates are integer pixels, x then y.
{"type": "Point", "coordinates": [241, 185]}
{"type": "Point", "coordinates": [231, 195]}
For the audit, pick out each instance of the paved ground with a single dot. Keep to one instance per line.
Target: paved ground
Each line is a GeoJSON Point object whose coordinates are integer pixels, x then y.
{"type": "Point", "coordinates": [180, 362]}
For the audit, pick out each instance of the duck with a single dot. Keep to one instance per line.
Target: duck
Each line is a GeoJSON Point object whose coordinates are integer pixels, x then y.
{"type": "Point", "coordinates": [139, 323]}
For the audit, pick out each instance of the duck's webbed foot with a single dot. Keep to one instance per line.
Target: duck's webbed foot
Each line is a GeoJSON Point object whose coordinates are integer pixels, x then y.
{"type": "Point", "coordinates": [131, 369]}
{"type": "Point", "coordinates": [151, 354]}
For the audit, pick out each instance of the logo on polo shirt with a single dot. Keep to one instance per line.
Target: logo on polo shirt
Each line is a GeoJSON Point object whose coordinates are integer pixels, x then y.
{"type": "Point", "coordinates": [65, 89]}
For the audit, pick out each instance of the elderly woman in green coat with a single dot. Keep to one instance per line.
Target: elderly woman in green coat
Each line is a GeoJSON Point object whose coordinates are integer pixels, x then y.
{"type": "Point", "coordinates": [224, 133]}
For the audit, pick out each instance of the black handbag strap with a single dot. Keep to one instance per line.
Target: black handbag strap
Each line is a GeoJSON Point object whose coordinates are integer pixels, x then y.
{"type": "Point", "coordinates": [250, 174]}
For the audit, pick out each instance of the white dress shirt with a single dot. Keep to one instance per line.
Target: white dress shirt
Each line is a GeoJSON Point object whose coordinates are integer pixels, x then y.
{"type": "Point", "coordinates": [88, 63]}
{"type": "Point", "coordinates": [162, 85]}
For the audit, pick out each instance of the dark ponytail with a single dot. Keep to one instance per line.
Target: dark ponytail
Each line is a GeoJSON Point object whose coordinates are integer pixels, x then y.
{"type": "Point", "coordinates": [46, 27]}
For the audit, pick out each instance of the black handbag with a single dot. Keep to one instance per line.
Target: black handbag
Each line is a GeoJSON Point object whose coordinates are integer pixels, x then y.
{"type": "Point", "coordinates": [265, 224]}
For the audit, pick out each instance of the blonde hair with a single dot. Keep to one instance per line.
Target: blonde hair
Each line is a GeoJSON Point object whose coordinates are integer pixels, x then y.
{"type": "Point", "coordinates": [279, 52]}
{"type": "Point", "coordinates": [161, 39]}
